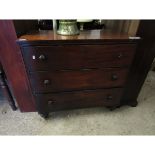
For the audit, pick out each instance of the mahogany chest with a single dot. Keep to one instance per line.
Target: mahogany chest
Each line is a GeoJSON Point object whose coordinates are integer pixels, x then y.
{"type": "Point", "coordinates": [87, 70]}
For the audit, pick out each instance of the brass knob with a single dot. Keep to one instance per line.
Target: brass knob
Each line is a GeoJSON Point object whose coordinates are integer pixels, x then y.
{"type": "Point", "coordinates": [46, 82]}
{"type": "Point", "coordinates": [42, 57]}
{"type": "Point", "coordinates": [109, 97]}
{"type": "Point", "coordinates": [120, 55]}
{"type": "Point", "coordinates": [114, 77]}
{"type": "Point", "coordinates": [50, 102]}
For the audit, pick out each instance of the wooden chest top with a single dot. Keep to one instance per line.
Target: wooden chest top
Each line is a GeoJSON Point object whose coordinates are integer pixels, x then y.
{"type": "Point", "coordinates": [91, 35]}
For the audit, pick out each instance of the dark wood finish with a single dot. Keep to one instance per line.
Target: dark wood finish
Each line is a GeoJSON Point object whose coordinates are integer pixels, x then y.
{"type": "Point", "coordinates": [11, 59]}
{"type": "Point", "coordinates": [69, 66]}
{"type": "Point", "coordinates": [43, 82]}
{"type": "Point", "coordinates": [146, 29]}
{"type": "Point", "coordinates": [78, 99]}
{"type": "Point", "coordinates": [38, 58]}
{"type": "Point", "coordinates": [144, 57]}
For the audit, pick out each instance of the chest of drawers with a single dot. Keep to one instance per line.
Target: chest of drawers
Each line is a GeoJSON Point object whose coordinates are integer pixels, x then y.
{"type": "Point", "coordinates": [77, 72]}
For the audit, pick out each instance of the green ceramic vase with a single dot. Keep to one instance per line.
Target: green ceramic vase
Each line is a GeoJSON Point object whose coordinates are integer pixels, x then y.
{"type": "Point", "coordinates": [68, 27]}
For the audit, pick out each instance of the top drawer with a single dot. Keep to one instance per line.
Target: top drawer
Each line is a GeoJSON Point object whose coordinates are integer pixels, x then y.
{"type": "Point", "coordinates": [39, 58]}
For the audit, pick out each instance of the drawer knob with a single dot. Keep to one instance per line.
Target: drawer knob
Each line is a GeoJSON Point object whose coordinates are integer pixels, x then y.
{"type": "Point", "coordinates": [46, 82]}
{"type": "Point", "coordinates": [114, 77]}
{"type": "Point", "coordinates": [109, 97]}
{"type": "Point", "coordinates": [120, 56]}
{"type": "Point", "coordinates": [50, 102]}
{"type": "Point", "coordinates": [42, 57]}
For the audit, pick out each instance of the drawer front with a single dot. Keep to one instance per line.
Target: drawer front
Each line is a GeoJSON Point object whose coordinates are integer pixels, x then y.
{"type": "Point", "coordinates": [78, 99]}
{"type": "Point", "coordinates": [42, 58]}
{"type": "Point", "coordinates": [43, 82]}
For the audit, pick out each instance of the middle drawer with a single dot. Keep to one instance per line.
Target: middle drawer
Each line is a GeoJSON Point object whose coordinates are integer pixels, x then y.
{"type": "Point", "coordinates": [56, 81]}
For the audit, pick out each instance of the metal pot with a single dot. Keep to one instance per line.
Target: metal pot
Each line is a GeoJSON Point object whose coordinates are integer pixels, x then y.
{"type": "Point", "coordinates": [68, 27]}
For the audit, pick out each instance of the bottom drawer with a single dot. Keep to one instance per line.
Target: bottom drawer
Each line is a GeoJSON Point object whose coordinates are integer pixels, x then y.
{"type": "Point", "coordinates": [78, 99]}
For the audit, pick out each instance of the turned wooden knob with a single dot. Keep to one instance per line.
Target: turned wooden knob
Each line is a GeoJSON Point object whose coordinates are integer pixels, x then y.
{"type": "Point", "coordinates": [42, 57]}
{"type": "Point", "coordinates": [50, 102]}
{"type": "Point", "coordinates": [46, 82]}
{"type": "Point", "coordinates": [120, 56]}
{"type": "Point", "coordinates": [109, 97]}
{"type": "Point", "coordinates": [114, 77]}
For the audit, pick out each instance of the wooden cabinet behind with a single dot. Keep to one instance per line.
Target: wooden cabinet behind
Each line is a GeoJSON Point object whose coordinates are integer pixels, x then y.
{"type": "Point", "coordinates": [90, 52]}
